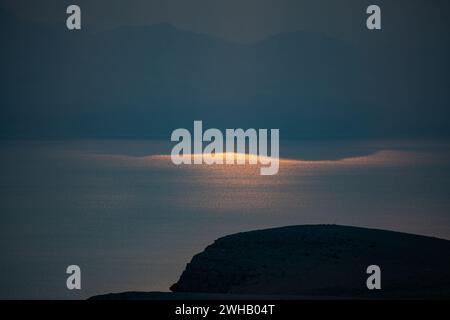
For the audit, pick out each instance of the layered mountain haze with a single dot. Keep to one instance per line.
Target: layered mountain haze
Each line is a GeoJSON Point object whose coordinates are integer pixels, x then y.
{"type": "Point", "coordinates": [146, 81]}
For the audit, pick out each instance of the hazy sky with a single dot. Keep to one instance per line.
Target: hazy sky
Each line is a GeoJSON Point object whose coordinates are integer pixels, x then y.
{"type": "Point", "coordinates": [245, 20]}
{"type": "Point", "coordinates": [340, 81]}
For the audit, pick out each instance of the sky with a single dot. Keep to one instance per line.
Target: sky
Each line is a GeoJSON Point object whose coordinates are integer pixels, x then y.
{"type": "Point", "coordinates": [144, 68]}
{"type": "Point", "coordinates": [245, 20]}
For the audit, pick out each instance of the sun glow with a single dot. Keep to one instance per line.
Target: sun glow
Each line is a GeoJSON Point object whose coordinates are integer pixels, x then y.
{"type": "Point", "coordinates": [241, 161]}
{"type": "Point", "coordinates": [229, 158]}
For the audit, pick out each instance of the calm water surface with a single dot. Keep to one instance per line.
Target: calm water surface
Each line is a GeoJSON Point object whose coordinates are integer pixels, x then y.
{"type": "Point", "coordinates": [132, 220]}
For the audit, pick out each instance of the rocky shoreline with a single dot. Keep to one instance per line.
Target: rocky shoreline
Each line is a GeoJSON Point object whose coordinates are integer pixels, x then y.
{"type": "Point", "coordinates": [314, 261]}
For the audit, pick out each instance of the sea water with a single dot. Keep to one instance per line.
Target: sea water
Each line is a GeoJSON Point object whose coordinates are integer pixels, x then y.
{"type": "Point", "coordinates": [132, 220]}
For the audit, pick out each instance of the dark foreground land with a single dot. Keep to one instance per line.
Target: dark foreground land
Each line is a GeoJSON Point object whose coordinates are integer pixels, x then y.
{"type": "Point", "coordinates": [312, 262]}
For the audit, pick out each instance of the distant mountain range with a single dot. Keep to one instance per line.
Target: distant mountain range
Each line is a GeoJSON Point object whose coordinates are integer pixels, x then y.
{"type": "Point", "coordinates": [147, 81]}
